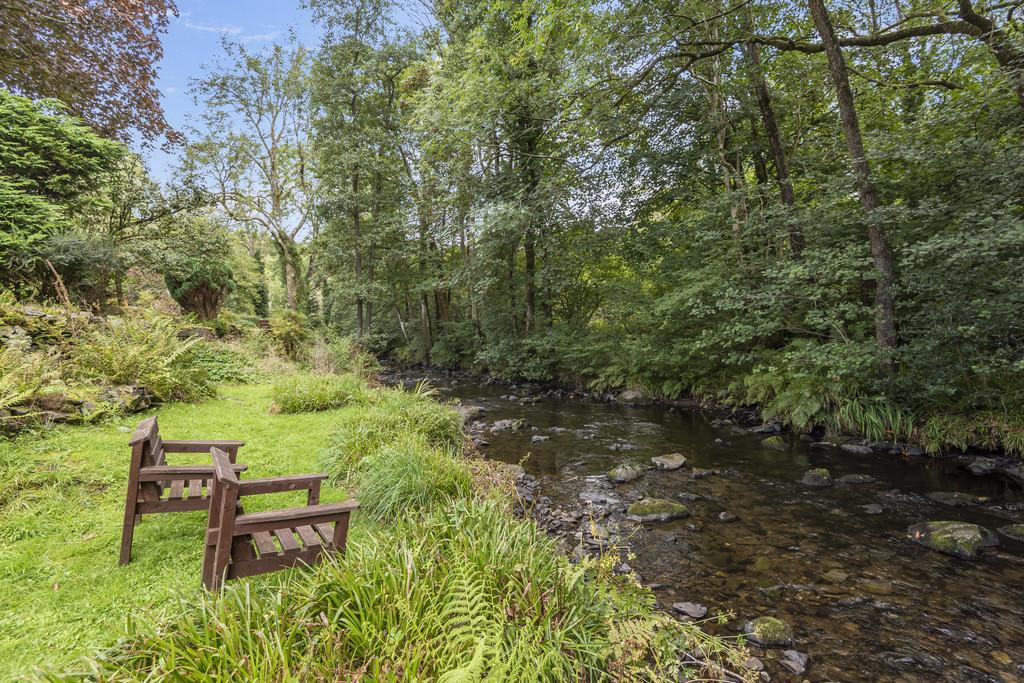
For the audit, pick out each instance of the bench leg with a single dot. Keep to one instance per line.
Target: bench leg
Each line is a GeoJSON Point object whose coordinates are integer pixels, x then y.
{"type": "Point", "coordinates": [128, 528]}
{"type": "Point", "coordinates": [340, 533]}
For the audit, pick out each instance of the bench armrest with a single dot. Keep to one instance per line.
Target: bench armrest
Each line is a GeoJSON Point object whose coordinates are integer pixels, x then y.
{"type": "Point", "coordinates": [199, 446]}
{"type": "Point", "coordinates": [297, 482]}
{"type": "Point", "coordinates": [172, 472]}
{"type": "Point", "coordinates": [292, 517]}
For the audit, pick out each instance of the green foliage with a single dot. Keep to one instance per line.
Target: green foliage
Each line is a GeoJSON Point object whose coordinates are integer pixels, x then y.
{"type": "Point", "coordinates": [393, 414]}
{"type": "Point", "coordinates": [224, 364]}
{"type": "Point", "coordinates": [145, 351]}
{"type": "Point", "coordinates": [49, 163]}
{"type": "Point", "coordinates": [290, 331]}
{"type": "Point", "coordinates": [408, 476]}
{"type": "Point", "coordinates": [309, 393]}
{"type": "Point", "coordinates": [463, 593]}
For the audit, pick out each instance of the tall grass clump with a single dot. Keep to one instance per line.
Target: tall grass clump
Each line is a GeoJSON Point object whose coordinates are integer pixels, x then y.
{"type": "Point", "coordinates": [310, 393]}
{"type": "Point", "coordinates": [364, 431]}
{"type": "Point", "coordinates": [409, 475]}
{"type": "Point", "coordinates": [464, 593]}
{"type": "Point", "coordinates": [145, 351]}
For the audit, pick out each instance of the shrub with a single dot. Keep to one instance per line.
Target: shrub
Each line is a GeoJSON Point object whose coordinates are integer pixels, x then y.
{"type": "Point", "coordinates": [22, 375]}
{"type": "Point", "coordinates": [362, 432]}
{"type": "Point", "coordinates": [291, 333]}
{"type": "Point", "coordinates": [144, 351]}
{"type": "Point", "coordinates": [408, 475]}
{"type": "Point", "coordinates": [309, 393]}
{"type": "Point", "coordinates": [464, 593]}
{"type": "Point", "coordinates": [349, 355]}
{"type": "Point", "coordinates": [225, 364]}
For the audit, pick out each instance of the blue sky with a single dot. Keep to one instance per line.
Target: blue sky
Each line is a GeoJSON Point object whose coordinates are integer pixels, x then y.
{"type": "Point", "coordinates": [193, 40]}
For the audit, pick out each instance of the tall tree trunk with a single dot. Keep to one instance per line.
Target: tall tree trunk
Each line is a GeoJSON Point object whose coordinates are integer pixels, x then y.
{"type": "Point", "coordinates": [357, 229]}
{"type": "Point", "coordinates": [530, 268]}
{"type": "Point", "coordinates": [881, 252]}
{"type": "Point", "coordinates": [771, 129]}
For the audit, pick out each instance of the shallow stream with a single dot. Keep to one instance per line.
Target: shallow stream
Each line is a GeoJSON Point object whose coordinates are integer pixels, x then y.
{"type": "Point", "coordinates": [864, 602]}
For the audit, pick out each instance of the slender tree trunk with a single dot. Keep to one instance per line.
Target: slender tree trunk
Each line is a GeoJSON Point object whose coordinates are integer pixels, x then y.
{"type": "Point", "coordinates": [881, 252]}
{"type": "Point", "coordinates": [357, 229]}
{"type": "Point", "coordinates": [771, 128]}
{"type": "Point", "coordinates": [530, 267]}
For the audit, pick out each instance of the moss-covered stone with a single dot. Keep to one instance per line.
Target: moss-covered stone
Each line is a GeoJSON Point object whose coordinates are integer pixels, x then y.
{"type": "Point", "coordinates": [656, 510]}
{"type": "Point", "coordinates": [961, 539]}
{"type": "Point", "coordinates": [817, 477]}
{"type": "Point", "coordinates": [776, 443]}
{"type": "Point", "coordinates": [624, 473]}
{"type": "Point", "coordinates": [769, 632]}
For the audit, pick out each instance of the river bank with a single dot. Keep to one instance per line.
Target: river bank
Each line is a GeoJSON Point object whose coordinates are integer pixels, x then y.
{"type": "Point", "coordinates": [758, 538]}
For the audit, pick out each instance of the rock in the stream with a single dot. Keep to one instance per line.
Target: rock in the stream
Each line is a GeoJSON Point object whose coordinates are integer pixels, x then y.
{"type": "Point", "coordinates": [511, 424]}
{"type": "Point", "coordinates": [856, 448]}
{"type": "Point", "coordinates": [538, 438]}
{"type": "Point", "coordinates": [794, 661]}
{"type": "Point", "coordinates": [872, 509]}
{"type": "Point", "coordinates": [625, 473]}
{"type": "Point", "coordinates": [690, 609]}
{"type": "Point", "coordinates": [468, 412]}
{"type": "Point", "coordinates": [632, 397]}
{"type": "Point", "coordinates": [961, 539]}
{"type": "Point", "coordinates": [982, 466]}
{"type": "Point", "coordinates": [727, 517]}
{"type": "Point", "coordinates": [768, 632]}
{"type": "Point", "coordinates": [856, 479]}
{"type": "Point", "coordinates": [670, 461]}
{"type": "Point", "coordinates": [817, 477]}
{"type": "Point", "coordinates": [598, 497]}
{"type": "Point", "coordinates": [776, 443]}
{"type": "Point", "coordinates": [656, 510]}
{"type": "Point", "coordinates": [1014, 532]}
{"type": "Point", "coordinates": [955, 498]}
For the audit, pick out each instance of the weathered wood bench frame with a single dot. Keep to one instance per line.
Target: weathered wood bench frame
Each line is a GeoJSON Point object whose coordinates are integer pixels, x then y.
{"type": "Point", "coordinates": [187, 487]}
{"type": "Point", "coordinates": [240, 544]}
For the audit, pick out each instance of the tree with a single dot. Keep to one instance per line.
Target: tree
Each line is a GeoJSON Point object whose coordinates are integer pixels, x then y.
{"type": "Point", "coordinates": [881, 252]}
{"type": "Point", "coordinates": [99, 57]}
{"type": "Point", "coordinates": [197, 265]}
{"type": "Point", "coordinates": [253, 155]}
{"type": "Point", "coordinates": [50, 165]}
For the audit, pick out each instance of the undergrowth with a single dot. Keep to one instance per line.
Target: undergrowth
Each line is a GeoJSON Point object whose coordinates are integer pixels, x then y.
{"type": "Point", "coordinates": [310, 393]}
{"type": "Point", "coordinates": [465, 593]}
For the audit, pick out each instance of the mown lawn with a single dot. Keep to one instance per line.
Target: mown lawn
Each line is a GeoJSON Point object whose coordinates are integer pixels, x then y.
{"type": "Point", "coordinates": [62, 496]}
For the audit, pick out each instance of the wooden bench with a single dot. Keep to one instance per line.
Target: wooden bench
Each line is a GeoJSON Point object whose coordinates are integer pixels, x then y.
{"type": "Point", "coordinates": [156, 487]}
{"type": "Point", "coordinates": [239, 544]}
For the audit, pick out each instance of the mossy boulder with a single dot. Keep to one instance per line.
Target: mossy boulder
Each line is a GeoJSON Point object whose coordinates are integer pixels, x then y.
{"type": "Point", "coordinates": [956, 498]}
{"type": "Point", "coordinates": [656, 510]}
{"type": "Point", "coordinates": [817, 477]}
{"type": "Point", "coordinates": [670, 461]}
{"type": "Point", "coordinates": [625, 473]}
{"type": "Point", "coordinates": [961, 539]}
{"type": "Point", "coordinates": [776, 443]}
{"type": "Point", "coordinates": [768, 632]}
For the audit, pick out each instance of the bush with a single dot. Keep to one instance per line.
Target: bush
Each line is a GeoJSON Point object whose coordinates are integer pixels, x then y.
{"type": "Point", "coordinates": [224, 364]}
{"type": "Point", "coordinates": [144, 351]}
{"type": "Point", "coordinates": [361, 433]}
{"type": "Point", "coordinates": [464, 593]}
{"type": "Point", "coordinates": [290, 332]}
{"type": "Point", "coordinates": [408, 475]}
{"type": "Point", "coordinates": [308, 393]}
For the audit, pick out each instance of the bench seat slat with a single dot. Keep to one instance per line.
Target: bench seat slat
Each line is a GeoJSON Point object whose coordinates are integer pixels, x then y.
{"type": "Point", "coordinates": [308, 536]}
{"type": "Point", "coordinates": [264, 543]}
{"type": "Point", "coordinates": [287, 539]}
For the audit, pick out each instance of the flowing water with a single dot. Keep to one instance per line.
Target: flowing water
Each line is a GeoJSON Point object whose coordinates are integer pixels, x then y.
{"type": "Point", "coordinates": [865, 603]}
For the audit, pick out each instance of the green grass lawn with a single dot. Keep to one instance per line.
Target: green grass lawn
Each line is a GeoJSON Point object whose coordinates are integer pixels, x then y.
{"type": "Point", "coordinates": [62, 500]}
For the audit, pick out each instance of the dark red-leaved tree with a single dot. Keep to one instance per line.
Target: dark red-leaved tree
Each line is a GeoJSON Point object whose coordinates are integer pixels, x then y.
{"type": "Point", "coordinates": [97, 56]}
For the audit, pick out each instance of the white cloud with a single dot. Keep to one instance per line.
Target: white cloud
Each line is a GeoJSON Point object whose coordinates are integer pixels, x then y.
{"type": "Point", "coordinates": [224, 29]}
{"type": "Point", "coordinates": [255, 37]}
{"type": "Point", "coordinates": [170, 90]}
